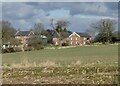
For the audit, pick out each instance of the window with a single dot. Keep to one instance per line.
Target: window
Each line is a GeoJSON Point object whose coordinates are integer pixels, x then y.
{"type": "Point", "coordinates": [84, 38]}
{"type": "Point", "coordinates": [56, 43]}
{"type": "Point", "coordinates": [76, 42]}
{"type": "Point", "coordinates": [76, 38]}
{"type": "Point", "coordinates": [71, 42]}
{"type": "Point", "coordinates": [87, 38]}
{"type": "Point", "coordinates": [83, 42]}
{"type": "Point", "coordinates": [71, 38]}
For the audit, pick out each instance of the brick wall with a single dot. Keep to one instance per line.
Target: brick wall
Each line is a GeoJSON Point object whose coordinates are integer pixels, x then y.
{"type": "Point", "coordinates": [23, 39]}
{"type": "Point", "coordinates": [75, 40]}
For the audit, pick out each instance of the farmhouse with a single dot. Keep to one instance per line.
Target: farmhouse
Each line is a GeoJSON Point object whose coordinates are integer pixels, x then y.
{"type": "Point", "coordinates": [79, 38]}
{"type": "Point", "coordinates": [23, 36]}
{"type": "Point", "coordinates": [73, 39]}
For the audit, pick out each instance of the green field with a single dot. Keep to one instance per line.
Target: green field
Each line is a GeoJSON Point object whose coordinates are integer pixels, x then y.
{"type": "Point", "coordinates": [85, 54]}
{"type": "Point", "coordinates": [76, 65]}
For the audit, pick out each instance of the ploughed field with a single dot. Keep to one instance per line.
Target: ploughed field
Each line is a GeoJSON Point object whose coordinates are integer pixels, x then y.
{"type": "Point", "coordinates": [81, 64]}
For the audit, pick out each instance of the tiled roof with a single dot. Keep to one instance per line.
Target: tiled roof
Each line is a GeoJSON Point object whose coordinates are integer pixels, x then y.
{"type": "Point", "coordinates": [22, 33]}
{"type": "Point", "coordinates": [66, 34]}
{"type": "Point", "coordinates": [26, 33]}
{"type": "Point", "coordinates": [83, 34]}
{"type": "Point", "coordinates": [69, 33]}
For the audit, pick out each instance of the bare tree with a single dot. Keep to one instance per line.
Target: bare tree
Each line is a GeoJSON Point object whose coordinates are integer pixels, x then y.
{"type": "Point", "coordinates": [54, 27]}
{"type": "Point", "coordinates": [91, 32]}
{"type": "Point", "coordinates": [38, 28]}
{"type": "Point", "coordinates": [60, 27]}
{"type": "Point", "coordinates": [8, 33]}
{"type": "Point", "coordinates": [105, 27]}
{"type": "Point", "coordinates": [36, 40]}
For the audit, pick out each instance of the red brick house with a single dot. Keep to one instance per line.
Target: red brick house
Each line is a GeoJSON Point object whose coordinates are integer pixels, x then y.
{"type": "Point", "coordinates": [79, 38]}
{"type": "Point", "coordinates": [23, 36]}
{"type": "Point", "coordinates": [73, 39]}
{"type": "Point", "coordinates": [56, 41]}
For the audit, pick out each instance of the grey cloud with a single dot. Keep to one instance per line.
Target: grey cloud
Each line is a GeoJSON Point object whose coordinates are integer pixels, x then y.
{"type": "Point", "coordinates": [31, 12]}
{"type": "Point", "coordinates": [78, 7]}
{"type": "Point", "coordinates": [86, 8]}
{"type": "Point", "coordinates": [112, 5]}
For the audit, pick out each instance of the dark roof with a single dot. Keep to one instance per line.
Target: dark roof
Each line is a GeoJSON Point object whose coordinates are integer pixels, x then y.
{"type": "Point", "coordinates": [22, 33]}
{"type": "Point", "coordinates": [54, 34]}
{"type": "Point", "coordinates": [83, 34]}
{"type": "Point", "coordinates": [69, 33]}
{"type": "Point", "coordinates": [65, 35]}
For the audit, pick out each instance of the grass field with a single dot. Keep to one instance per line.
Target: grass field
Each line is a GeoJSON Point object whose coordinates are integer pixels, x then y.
{"type": "Point", "coordinates": [85, 54]}
{"type": "Point", "coordinates": [68, 65]}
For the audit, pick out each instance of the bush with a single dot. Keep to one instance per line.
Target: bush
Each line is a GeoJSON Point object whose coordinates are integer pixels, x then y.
{"type": "Point", "coordinates": [29, 48]}
{"type": "Point", "coordinates": [17, 49]}
{"type": "Point", "coordinates": [65, 44]}
{"type": "Point", "coordinates": [38, 47]}
{"type": "Point", "coordinates": [88, 42]}
{"type": "Point", "coordinates": [8, 50]}
{"type": "Point", "coordinates": [35, 42]}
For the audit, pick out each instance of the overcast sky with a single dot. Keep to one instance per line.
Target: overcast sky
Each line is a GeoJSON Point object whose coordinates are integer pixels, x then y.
{"type": "Point", "coordinates": [24, 15]}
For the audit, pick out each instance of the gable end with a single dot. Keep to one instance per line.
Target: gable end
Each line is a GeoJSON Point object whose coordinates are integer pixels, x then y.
{"type": "Point", "coordinates": [74, 33]}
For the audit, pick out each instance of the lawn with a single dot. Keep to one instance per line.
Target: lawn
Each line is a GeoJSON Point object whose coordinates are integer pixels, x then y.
{"type": "Point", "coordinates": [76, 65]}
{"type": "Point", "coordinates": [85, 54]}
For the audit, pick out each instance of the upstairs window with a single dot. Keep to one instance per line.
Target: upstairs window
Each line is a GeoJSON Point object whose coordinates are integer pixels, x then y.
{"type": "Point", "coordinates": [87, 38]}
{"type": "Point", "coordinates": [84, 42]}
{"type": "Point", "coordinates": [84, 38]}
{"type": "Point", "coordinates": [76, 38]}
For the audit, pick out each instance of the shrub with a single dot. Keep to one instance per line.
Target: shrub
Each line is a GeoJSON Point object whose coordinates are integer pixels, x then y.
{"type": "Point", "coordinates": [38, 47]}
{"type": "Point", "coordinates": [35, 42]}
{"type": "Point", "coordinates": [17, 49]}
{"type": "Point", "coordinates": [8, 50]}
{"type": "Point", "coordinates": [29, 48]}
{"type": "Point", "coordinates": [65, 44]}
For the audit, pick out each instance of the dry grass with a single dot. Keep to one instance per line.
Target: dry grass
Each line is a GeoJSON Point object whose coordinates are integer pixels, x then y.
{"type": "Point", "coordinates": [25, 63]}
{"type": "Point", "coordinates": [87, 65]}
{"type": "Point", "coordinates": [50, 72]}
{"type": "Point", "coordinates": [60, 75]}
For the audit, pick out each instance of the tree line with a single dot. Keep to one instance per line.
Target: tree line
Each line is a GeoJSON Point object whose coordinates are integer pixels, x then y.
{"type": "Point", "coordinates": [105, 31]}
{"type": "Point", "coordinates": [102, 31]}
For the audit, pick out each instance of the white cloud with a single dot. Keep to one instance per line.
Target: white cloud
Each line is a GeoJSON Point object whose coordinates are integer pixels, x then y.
{"type": "Point", "coordinates": [24, 15]}
{"type": "Point", "coordinates": [59, 13]}
{"type": "Point", "coordinates": [22, 22]}
{"type": "Point", "coordinates": [93, 17]}
{"type": "Point", "coordinates": [99, 7]}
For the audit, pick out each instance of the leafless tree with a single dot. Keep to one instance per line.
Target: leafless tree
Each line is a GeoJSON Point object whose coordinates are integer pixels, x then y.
{"type": "Point", "coordinates": [38, 28]}
{"type": "Point", "coordinates": [105, 27]}
{"type": "Point", "coordinates": [60, 27]}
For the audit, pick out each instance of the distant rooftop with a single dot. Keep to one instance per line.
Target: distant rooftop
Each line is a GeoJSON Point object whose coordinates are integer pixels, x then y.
{"type": "Point", "coordinates": [26, 33]}
{"type": "Point", "coordinates": [22, 33]}
{"type": "Point", "coordinates": [69, 33]}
